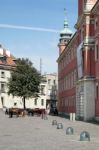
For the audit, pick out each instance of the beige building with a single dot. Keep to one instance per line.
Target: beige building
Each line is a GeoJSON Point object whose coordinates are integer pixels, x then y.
{"type": "Point", "coordinates": [51, 89]}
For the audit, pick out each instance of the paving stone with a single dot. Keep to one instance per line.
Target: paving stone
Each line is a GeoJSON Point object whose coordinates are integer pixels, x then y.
{"type": "Point", "coordinates": [34, 133]}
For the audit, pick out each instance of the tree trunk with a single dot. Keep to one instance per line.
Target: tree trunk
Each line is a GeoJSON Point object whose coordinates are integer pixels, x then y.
{"type": "Point", "coordinates": [24, 106]}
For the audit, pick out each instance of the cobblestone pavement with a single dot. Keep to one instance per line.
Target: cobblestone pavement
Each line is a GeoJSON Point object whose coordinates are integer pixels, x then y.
{"type": "Point", "coordinates": [34, 133]}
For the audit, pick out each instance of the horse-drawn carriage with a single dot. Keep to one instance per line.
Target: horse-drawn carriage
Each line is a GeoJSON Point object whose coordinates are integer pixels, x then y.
{"type": "Point", "coordinates": [16, 111]}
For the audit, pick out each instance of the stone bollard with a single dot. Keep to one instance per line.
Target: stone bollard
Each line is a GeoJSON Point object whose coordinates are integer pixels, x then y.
{"type": "Point", "coordinates": [54, 122]}
{"type": "Point", "coordinates": [45, 117]}
{"type": "Point", "coordinates": [59, 126]}
{"type": "Point", "coordinates": [71, 116]}
{"type": "Point", "coordinates": [70, 131]}
{"type": "Point", "coordinates": [84, 136]}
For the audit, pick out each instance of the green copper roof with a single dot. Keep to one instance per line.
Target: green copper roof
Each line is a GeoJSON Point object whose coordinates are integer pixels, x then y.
{"type": "Point", "coordinates": [66, 33]}
{"type": "Point", "coordinates": [66, 29]}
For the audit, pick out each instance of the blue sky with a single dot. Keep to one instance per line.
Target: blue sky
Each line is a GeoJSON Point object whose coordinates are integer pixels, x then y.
{"type": "Point", "coordinates": [35, 44]}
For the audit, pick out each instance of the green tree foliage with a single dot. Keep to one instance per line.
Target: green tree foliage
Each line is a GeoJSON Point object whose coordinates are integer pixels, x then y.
{"type": "Point", "coordinates": [25, 80]}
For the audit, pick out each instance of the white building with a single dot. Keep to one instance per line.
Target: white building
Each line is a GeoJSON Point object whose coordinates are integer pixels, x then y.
{"type": "Point", "coordinates": [7, 62]}
{"type": "Point", "coordinates": [51, 89]}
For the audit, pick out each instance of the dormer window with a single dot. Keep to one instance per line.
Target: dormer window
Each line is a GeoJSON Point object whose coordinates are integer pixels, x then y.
{"type": "Point", "coordinates": [2, 74]}
{"type": "Point", "coordinates": [3, 59]}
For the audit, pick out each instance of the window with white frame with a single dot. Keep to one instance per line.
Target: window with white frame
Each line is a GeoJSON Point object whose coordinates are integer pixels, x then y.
{"type": "Point", "coordinates": [49, 81]}
{"type": "Point", "coordinates": [71, 79]}
{"type": "Point", "coordinates": [97, 90]}
{"type": "Point", "coordinates": [66, 59]}
{"type": "Point", "coordinates": [2, 87]}
{"type": "Point", "coordinates": [60, 86]}
{"type": "Point", "coordinates": [74, 77]}
{"type": "Point", "coordinates": [2, 74]}
{"type": "Point", "coordinates": [96, 23]}
{"type": "Point", "coordinates": [42, 102]}
{"type": "Point", "coordinates": [68, 56]}
{"type": "Point", "coordinates": [67, 81]}
{"type": "Point", "coordinates": [42, 89]}
{"type": "Point", "coordinates": [35, 102]}
{"type": "Point", "coordinates": [75, 47]}
{"type": "Point", "coordinates": [96, 51]}
{"type": "Point", "coordinates": [54, 82]}
{"type": "Point", "coordinates": [63, 62]}
{"type": "Point", "coordinates": [82, 34]}
{"type": "Point", "coordinates": [2, 101]}
{"type": "Point", "coordinates": [62, 102]}
{"type": "Point", "coordinates": [49, 92]}
{"type": "Point", "coordinates": [71, 53]}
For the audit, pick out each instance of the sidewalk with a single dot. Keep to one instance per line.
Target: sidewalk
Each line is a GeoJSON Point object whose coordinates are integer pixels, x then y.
{"type": "Point", "coordinates": [34, 133]}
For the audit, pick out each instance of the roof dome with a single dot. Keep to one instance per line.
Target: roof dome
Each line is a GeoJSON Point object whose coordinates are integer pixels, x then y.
{"type": "Point", "coordinates": [66, 29]}
{"type": "Point", "coordinates": [65, 34]}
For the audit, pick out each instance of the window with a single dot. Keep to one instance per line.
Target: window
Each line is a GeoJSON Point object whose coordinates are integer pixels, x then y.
{"type": "Point", "coordinates": [75, 76]}
{"type": "Point", "coordinates": [2, 74]}
{"type": "Point", "coordinates": [35, 102]}
{"type": "Point", "coordinates": [69, 57]}
{"type": "Point", "coordinates": [2, 88]}
{"type": "Point", "coordinates": [84, 2]}
{"type": "Point", "coordinates": [97, 53]}
{"type": "Point", "coordinates": [42, 89]}
{"type": "Point", "coordinates": [97, 91]}
{"type": "Point", "coordinates": [49, 81]}
{"type": "Point", "coordinates": [54, 82]}
{"type": "Point", "coordinates": [82, 34]}
{"type": "Point", "coordinates": [49, 92]}
{"type": "Point", "coordinates": [2, 101]}
{"type": "Point", "coordinates": [96, 23]}
{"type": "Point", "coordinates": [42, 102]}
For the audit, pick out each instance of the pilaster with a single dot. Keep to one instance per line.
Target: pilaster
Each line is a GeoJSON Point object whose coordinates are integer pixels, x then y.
{"type": "Point", "coordinates": [85, 99]}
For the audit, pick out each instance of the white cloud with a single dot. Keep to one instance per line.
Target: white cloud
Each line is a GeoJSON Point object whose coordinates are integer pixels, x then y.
{"type": "Point", "coordinates": [27, 28]}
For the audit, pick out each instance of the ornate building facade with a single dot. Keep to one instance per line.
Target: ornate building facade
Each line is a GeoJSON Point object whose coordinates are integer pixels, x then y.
{"type": "Point", "coordinates": [78, 63]}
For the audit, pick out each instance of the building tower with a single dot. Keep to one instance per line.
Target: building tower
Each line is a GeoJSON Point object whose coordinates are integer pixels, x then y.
{"type": "Point", "coordinates": [65, 36]}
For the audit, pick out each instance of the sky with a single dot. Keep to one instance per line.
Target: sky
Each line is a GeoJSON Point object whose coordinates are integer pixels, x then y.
{"type": "Point", "coordinates": [31, 28]}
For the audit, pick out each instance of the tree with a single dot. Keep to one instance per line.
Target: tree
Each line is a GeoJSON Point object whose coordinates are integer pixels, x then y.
{"type": "Point", "coordinates": [24, 81]}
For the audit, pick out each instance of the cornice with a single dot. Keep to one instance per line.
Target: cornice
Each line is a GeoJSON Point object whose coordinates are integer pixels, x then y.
{"type": "Point", "coordinates": [89, 41]}
{"type": "Point", "coordinates": [85, 78]}
{"type": "Point", "coordinates": [95, 8]}
{"type": "Point", "coordinates": [7, 67]}
{"type": "Point", "coordinates": [81, 18]}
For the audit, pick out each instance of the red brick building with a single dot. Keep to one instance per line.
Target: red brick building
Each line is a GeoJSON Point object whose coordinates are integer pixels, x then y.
{"type": "Point", "coordinates": [78, 63]}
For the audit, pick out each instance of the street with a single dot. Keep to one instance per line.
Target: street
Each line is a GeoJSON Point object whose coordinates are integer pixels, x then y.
{"type": "Point", "coordinates": [34, 133]}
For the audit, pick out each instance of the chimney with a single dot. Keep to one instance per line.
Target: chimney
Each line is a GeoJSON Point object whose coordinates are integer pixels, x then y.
{"type": "Point", "coordinates": [1, 50]}
{"type": "Point", "coordinates": [8, 53]}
